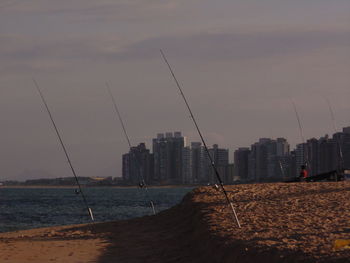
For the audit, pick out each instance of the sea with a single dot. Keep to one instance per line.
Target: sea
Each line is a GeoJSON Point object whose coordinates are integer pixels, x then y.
{"type": "Point", "coordinates": [25, 208]}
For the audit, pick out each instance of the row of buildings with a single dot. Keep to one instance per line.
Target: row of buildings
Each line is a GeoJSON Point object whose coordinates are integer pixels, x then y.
{"type": "Point", "coordinates": [271, 160]}
{"type": "Point", "coordinates": [172, 161]}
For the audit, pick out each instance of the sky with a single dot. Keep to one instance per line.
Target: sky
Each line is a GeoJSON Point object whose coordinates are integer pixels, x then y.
{"type": "Point", "coordinates": [240, 63]}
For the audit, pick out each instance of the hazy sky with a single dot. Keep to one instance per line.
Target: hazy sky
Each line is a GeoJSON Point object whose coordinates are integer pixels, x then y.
{"type": "Point", "coordinates": [240, 63]}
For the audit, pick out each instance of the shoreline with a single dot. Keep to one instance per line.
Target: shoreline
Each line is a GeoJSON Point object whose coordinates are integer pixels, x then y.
{"type": "Point", "coordinates": [95, 186]}
{"type": "Point", "coordinates": [295, 222]}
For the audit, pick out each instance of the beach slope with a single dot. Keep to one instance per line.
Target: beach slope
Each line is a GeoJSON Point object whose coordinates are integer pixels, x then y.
{"type": "Point", "coordinates": [295, 222]}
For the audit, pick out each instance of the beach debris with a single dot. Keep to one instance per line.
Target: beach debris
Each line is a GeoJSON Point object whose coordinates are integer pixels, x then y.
{"type": "Point", "coordinates": [340, 244]}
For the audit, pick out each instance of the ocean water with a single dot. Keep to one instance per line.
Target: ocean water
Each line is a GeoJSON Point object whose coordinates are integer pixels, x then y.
{"type": "Point", "coordinates": [24, 208]}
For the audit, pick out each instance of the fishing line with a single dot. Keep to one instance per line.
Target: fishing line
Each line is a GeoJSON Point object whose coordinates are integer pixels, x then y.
{"type": "Point", "coordinates": [64, 149]}
{"type": "Point", "coordinates": [299, 122]}
{"type": "Point", "coordinates": [203, 141]}
{"type": "Point", "coordinates": [301, 133]}
{"type": "Point", "coordinates": [335, 131]}
{"type": "Point", "coordinates": [282, 169]}
{"type": "Point", "coordinates": [138, 163]}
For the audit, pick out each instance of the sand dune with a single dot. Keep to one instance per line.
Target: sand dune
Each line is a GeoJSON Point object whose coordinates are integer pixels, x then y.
{"type": "Point", "coordinates": [297, 222]}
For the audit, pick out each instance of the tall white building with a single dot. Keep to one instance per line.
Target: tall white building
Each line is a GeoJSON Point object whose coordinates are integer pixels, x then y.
{"type": "Point", "coordinates": [168, 159]}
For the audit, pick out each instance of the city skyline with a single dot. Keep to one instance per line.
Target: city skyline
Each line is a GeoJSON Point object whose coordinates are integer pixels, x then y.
{"type": "Point", "coordinates": [282, 149]}
{"type": "Point", "coordinates": [172, 161]}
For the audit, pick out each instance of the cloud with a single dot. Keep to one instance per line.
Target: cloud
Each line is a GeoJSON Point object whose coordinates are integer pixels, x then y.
{"type": "Point", "coordinates": [89, 9]}
{"type": "Point", "coordinates": [26, 52]}
{"type": "Point", "coordinates": [228, 46]}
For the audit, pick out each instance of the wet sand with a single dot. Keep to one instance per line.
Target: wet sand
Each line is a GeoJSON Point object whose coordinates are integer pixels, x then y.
{"type": "Point", "coordinates": [296, 222]}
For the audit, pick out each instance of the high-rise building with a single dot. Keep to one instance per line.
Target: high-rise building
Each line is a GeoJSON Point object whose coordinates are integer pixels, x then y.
{"type": "Point", "coordinates": [312, 148]}
{"type": "Point", "coordinates": [187, 177]}
{"type": "Point", "coordinates": [241, 163]}
{"type": "Point", "coordinates": [160, 158]}
{"type": "Point", "coordinates": [273, 167]}
{"type": "Point", "coordinates": [283, 147]}
{"type": "Point", "coordinates": [345, 148]}
{"type": "Point", "coordinates": [277, 152]}
{"type": "Point", "coordinates": [220, 158]}
{"type": "Point", "coordinates": [342, 156]}
{"type": "Point", "coordinates": [126, 173]}
{"type": "Point", "coordinates": [327, 156]}
{"type": "Point", "coordinates": [231, 177]}
{"type": "Point", "coordinates": [167, 152]}
{"type": "Point", "coordinates": [252, 163]}
{"type": "Point", "coordinates": [268, 159]}
{"type": "Point", "coordinates": [258, 164]}
{"type": "Point", "coordinates": [138, 165]}
{"type": "Point", "coordinates": [198, 163]}
{"type": "Point", "coordinates": [346, 130]}
{"type": "Point", "coordinates": [287, 166]}
{"type": "Point", "coordinates": [293, 170]}
{"type": "Point", "coordinates": [300, 156]}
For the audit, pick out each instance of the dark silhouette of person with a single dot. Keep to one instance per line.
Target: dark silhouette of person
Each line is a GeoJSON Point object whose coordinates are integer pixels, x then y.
{"type": "Point", "coordinates": [303, 172]}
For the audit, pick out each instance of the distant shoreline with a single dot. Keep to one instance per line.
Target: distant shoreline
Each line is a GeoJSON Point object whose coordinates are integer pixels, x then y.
{"type": "Point", "coordinates": [95, 186]}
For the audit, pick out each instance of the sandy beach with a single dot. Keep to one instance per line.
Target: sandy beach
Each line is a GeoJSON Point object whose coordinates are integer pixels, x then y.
{"type": "Point", "coordinates": [296, 222]}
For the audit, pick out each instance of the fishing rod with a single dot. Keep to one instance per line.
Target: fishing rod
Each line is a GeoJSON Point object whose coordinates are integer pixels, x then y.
{"type": "Point", "coordinates": [335, 131]}
{"type": "Point", "coordinates": [299, 122]}
{"type": "Point", "coordinates": [64, 149]}
{"type": "Point", "coordinates": [301, 132]}
{"type": "Point", "coordinates": [138, 164]}
{"type": "Point", "coordinates": [282, 169]}
{"type": "Point", "coordinates": [203, 141]}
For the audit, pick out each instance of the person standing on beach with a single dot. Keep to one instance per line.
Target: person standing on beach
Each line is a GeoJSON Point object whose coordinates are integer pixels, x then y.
{"type": "Point", "coordinates": [303, 173]}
